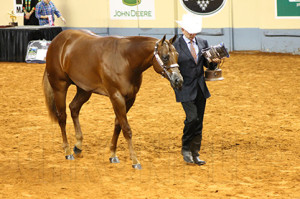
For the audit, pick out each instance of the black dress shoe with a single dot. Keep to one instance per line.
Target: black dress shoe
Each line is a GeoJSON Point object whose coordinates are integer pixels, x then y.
{"type": "Point", "coordinates": [187, 156]}
{"type": "Point", "coordinates": [197, 161]}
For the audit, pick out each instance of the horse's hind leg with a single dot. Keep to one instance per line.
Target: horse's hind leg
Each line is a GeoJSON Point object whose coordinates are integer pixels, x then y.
{"type": "Point", "coordinates": [80, 98]}
{"type": "Point", "coordinates": [60, 92]}
{"type": "Point", "coordinates": [113, 147]}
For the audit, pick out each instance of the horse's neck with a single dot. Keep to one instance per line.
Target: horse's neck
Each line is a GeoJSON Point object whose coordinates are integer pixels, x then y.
{"type": "Point", "coordinates": [143, 53]}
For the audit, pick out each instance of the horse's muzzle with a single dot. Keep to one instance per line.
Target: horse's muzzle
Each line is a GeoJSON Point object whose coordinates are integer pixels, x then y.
{"type": "Point", "coordinates": [176, 80]}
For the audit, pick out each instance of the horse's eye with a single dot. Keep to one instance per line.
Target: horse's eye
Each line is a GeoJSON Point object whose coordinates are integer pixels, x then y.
{"type": "Point", "coordinates": [165, 58]}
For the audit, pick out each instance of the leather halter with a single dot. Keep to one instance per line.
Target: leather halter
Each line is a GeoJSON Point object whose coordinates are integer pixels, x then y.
{"type": "Point", "coordinates": [161, 63]}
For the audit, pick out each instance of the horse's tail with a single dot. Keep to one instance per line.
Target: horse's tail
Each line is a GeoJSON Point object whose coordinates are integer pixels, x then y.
{"type": "Point", "coordinates": [49, 97]}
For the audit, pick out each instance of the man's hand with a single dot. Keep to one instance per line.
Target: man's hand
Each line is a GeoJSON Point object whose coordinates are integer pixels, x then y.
{"type": "Point", "coordinates": [63, 19]}
{"type": "Point", "coordinates": [216, 60]}
{"type": "Point", "coordinates": [27, 15]}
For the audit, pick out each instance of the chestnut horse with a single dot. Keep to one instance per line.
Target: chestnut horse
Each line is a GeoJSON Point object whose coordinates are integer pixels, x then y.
{"type": "Point", "coordinates": [110, 66]}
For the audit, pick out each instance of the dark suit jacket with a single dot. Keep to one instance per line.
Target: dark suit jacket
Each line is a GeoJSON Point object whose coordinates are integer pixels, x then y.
{"type": "Point", "coordinates": [192, 73]}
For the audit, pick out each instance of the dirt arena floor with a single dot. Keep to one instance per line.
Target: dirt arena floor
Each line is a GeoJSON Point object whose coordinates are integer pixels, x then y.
{"type": "Point", "coordinates": [250, 140]}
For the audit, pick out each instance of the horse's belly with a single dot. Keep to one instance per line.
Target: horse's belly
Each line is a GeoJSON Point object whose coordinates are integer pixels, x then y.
{"type": "Point", "coordinates": [86, 79]}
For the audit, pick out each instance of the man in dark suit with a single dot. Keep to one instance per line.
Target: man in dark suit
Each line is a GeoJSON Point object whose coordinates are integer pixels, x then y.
{"type": "Point", "coordinates": [194, 91]}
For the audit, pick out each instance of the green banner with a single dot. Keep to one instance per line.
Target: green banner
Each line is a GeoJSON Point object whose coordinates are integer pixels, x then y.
{"type": "Point", "coordinates": [288, 8]}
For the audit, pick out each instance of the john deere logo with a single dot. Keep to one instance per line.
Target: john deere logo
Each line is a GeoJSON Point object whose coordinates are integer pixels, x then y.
{"type": "Point", "coordinates": [132, 2]}
{"type": "Point", "coordinates": [132, 9]}
{"type": "Point", "coordinates": [203, 7]}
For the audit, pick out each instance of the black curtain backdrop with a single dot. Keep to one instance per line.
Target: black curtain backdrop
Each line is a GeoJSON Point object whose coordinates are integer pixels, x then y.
{"type": "Point", "coordinates": [14, 40]}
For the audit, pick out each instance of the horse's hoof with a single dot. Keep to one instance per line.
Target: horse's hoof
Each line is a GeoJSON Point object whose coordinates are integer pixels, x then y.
{"type": "Point", "coordinates": [137, 166]}
{"type": "Point", "coordinates": [79, 155]}
{"type": "Point", "coordinates": [114, 160]}
{"type": "Point", "coordinates": [76, 150]}
{"type": "Point", "coordinates": [70, 157]}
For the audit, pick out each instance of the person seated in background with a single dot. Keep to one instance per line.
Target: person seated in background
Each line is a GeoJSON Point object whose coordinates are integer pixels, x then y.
{"type": "Point", "coordinates": [45, 11]}
{"type": "Point", "coordinates": [29, 12]}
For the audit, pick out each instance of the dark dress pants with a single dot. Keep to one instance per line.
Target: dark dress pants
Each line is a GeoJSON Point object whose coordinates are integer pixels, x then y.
{"type": "Point", "coordinates": [193, 124]}
{"type": "Point", "coordinates": [32, 20]}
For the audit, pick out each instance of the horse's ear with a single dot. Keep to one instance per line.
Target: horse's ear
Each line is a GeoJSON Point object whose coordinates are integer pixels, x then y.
{"type": "Point", "coordinates": [172, 40]}
{"type": "Point", "coordinates": [163, 40]}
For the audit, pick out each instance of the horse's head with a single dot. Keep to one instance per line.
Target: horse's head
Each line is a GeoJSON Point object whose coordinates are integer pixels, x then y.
{"type": "Point", "coordinates": [165, 62]}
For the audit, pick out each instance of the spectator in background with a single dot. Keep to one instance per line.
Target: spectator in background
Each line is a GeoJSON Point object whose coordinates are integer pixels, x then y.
{"type": "Point", "coordinates": [29, 12]}
{"type": "Point", "coordinates": [45, 11]}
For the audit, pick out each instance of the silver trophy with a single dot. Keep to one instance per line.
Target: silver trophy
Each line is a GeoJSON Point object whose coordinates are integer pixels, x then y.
{"type": "Point", "coordinates": [218, 51]}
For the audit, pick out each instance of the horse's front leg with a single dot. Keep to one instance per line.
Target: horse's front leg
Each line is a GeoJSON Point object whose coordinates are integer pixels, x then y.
{"type": "Point", "coordinates": [113, 147]}
{"type": "Point", "coordinates": [121, 106]}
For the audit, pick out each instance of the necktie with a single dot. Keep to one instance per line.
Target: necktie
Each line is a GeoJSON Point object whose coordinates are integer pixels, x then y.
{"type": "Point", "coordinates": [193, 51]}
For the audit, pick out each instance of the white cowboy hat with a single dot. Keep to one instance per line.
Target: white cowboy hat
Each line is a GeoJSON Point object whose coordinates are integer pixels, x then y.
{"type": "Point", "coordinates": [191, 23]}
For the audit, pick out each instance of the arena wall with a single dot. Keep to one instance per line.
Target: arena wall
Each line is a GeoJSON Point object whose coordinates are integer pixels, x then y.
{"type": "Point", "coordinates": [242, 25]}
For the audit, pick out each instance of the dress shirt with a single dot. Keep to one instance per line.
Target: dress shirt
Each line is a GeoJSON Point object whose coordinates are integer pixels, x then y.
{"type": "Point", "coordinates": [188, 43]}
